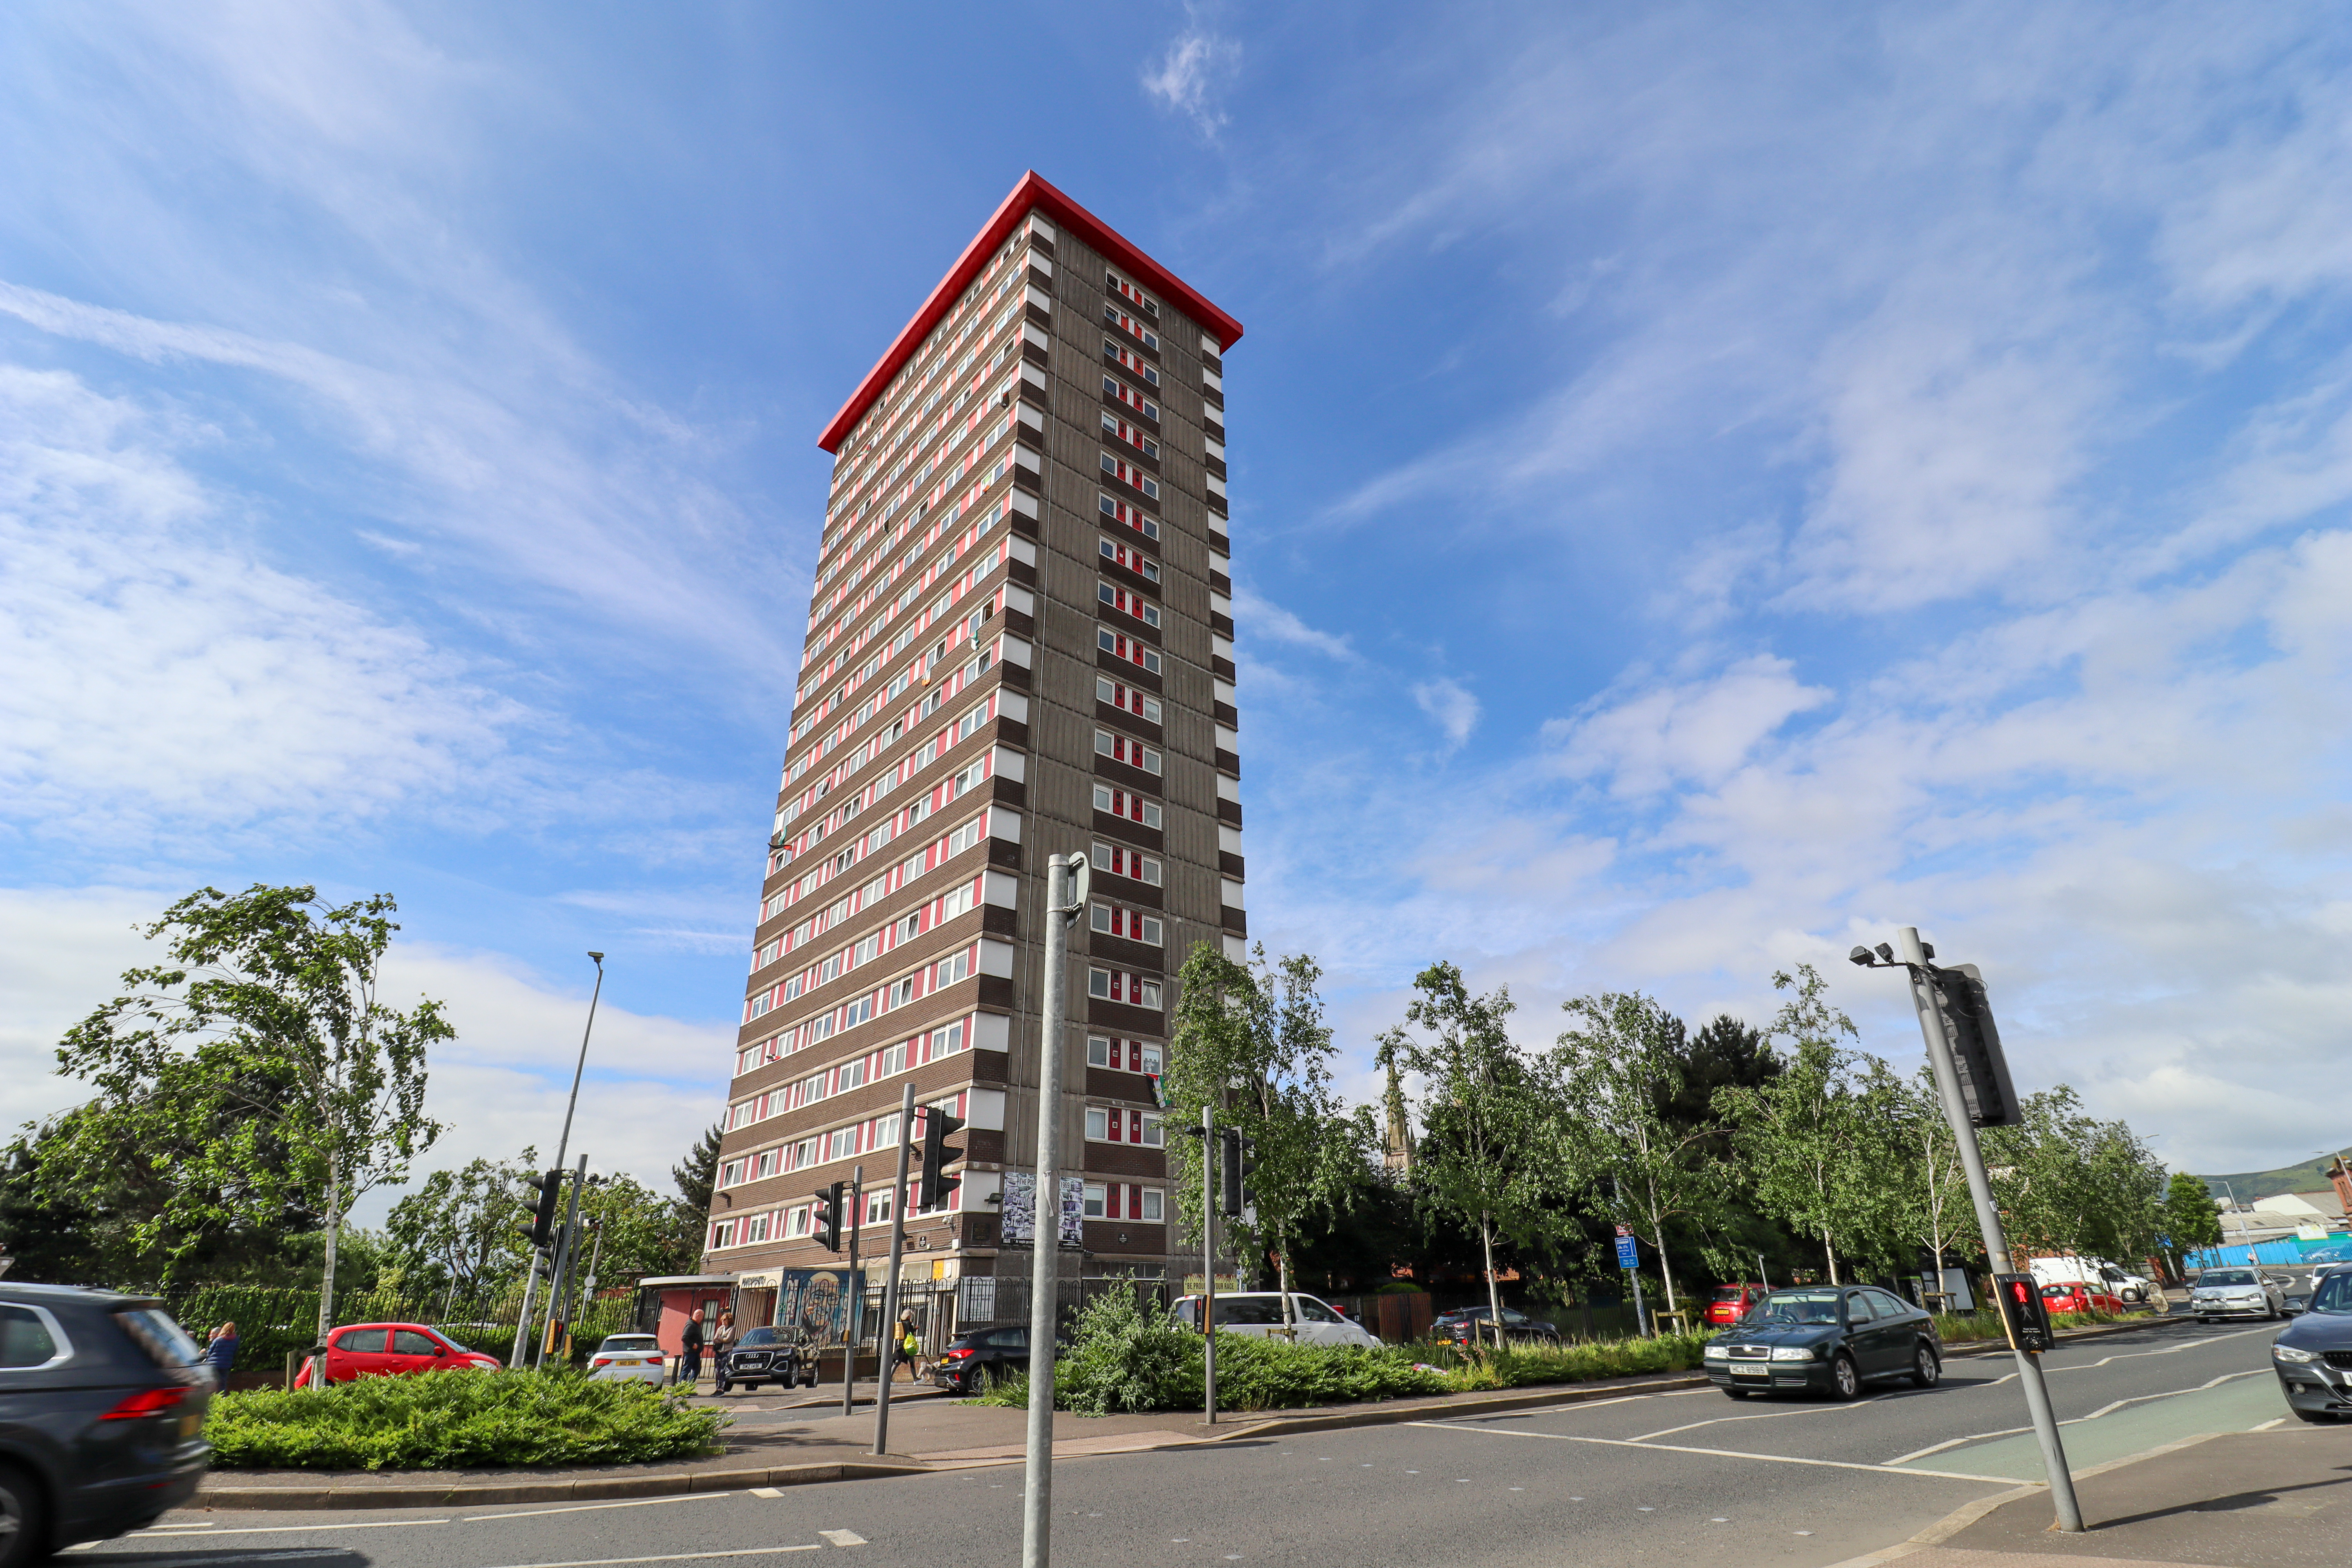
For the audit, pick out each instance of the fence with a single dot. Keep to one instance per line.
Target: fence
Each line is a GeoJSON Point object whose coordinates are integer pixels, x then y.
{"type": "Point", "coordinates": [2286, 1250]}
{"type": "Point", "coordinates": [271, 1324]}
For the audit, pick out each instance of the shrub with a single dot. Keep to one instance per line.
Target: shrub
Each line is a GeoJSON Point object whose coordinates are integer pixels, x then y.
{"type": "Point", "coordinates": [1128, 1352]}
{"type": "Point", "coordinates": [1520, 1366]}
{"type": "Point", "coordinates": [453, 1420]}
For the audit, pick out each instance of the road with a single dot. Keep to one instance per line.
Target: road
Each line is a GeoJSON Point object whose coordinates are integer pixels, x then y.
{"type": "Point", "coordinates": [1660, 1478]}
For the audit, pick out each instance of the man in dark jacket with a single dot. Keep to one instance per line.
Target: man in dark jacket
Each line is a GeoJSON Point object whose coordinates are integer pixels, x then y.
{"type": "Point", "coordinates": [689, 1370]}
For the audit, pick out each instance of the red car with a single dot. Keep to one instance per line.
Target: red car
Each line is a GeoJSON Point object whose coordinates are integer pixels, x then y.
{"type": "Point", "coordinates": [1731, 1303]}
{"type": "Point", "coordinates": [390, 1350]}
{"type": "Point", "coordinates": [2079, 1298]}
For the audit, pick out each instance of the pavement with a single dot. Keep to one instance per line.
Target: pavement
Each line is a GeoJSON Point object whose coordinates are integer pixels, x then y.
{"type": "Point", "coordinates": [2156, 1416]}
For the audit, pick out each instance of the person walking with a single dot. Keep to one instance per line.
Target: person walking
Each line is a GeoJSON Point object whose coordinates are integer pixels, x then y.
{"type": "Point", "coordinates": [911, 1346]}
{"type": "Point", "coordinates": [722, 1340]}
{"type": "Point", "coordinates": [689, 1364]}
{"type": "Point", "coordinates": [220, 1352]}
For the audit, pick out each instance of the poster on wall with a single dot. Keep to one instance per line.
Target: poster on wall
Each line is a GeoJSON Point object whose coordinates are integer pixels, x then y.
{"type": "Point", "coordinates": [1017, 1224]}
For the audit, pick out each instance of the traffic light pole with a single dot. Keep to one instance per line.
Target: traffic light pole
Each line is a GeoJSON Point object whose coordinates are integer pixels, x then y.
{"type": "Point", "coordinates": [522, 1320]}
{"type": "Point", "coordinates": [1062, 904]}
{"type": "Point", "coordinates": [889, 1337]}
{"type": "Point", "coordinates": [567, 1254]}
{"type": "Point", "coordinates": [856, 1308]}
{"type": "Point", "coordinates": [1964, 1132]}
{"type": "Point", "coordinates": [1209, 1259]}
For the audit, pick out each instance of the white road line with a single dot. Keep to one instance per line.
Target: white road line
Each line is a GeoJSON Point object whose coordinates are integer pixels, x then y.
{"type": "Point", "coordinates": [1713, 1453]}
{"type": "Point", "coordinates": [291, 1529]}
{"type": "Point", "coordinates": [586, 1506]}
{"type": "Point", "coordinates": [2266, 1426]}
{"type": "Point", "coordinates": [850, 1537]}
{"type": "Point", "coordinates": [291, 1555]}
{"type": "Point", "coordinates": [1768, 1415]}
{"type": "Point", "coordinates": [672, 1557]}
{"type": "Point", "coordinates": [2073, 1420]}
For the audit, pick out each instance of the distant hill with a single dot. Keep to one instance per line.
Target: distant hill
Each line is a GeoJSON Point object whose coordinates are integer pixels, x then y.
{"type": "Point", "coordinates": [2309, 1177]}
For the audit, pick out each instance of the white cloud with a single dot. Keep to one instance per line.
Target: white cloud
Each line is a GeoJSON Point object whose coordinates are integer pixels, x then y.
{"type": "Point", "coordinates": [1451, 706]}
{"type": "Point", "coordinates": [1700, 731]}
{"type": "Point", "coordinates": [1190, 74]}
{"type": "Point", "coordinates": [1261, 617]}
{"type": "Point", "coordinates": [154, 672]}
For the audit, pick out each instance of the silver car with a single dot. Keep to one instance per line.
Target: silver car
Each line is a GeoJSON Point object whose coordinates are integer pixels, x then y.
{"type": "Point", "coordinates": [628, 1358]}
{"type": "Point", "coordinates": [2236, 1293]}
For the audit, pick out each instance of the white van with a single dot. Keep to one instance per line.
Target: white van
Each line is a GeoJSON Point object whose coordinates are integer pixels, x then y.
{"type": "Point", "coordinates": [1259, 1313]}
{"type": "Point", "coordinates": [2096, 1272]}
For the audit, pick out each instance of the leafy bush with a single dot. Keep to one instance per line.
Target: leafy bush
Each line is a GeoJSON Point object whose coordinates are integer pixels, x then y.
{"type": "Point", "coordinates": [1522, 1365]}
{"type": "Point", "coordinates": [1126, 1353]}
{"type": "Point", "coordinates": [454, 1420]}
{"type": "Point", "coordinates": [1271, 1375]}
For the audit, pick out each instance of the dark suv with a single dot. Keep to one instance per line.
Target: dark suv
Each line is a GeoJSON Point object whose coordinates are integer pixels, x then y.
{"type": "Point", "coordinates": [765, 1356]}
{"type": "Point", "coordinates": [101, 1416]}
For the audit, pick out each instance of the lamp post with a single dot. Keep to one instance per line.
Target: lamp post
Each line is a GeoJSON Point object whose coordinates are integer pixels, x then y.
{"type": "Point", "coordinates": [562, 1147]}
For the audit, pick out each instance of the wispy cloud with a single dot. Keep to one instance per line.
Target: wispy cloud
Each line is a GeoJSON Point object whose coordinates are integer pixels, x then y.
{"type": "Point", "coordinates": [1450, 704]}
{"type": "Point", "coordinates": [1190, 74]}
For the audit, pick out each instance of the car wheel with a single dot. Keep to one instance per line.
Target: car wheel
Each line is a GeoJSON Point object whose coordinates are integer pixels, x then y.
{"type": "Point", "coordinates": [1927, 1370]}
{"type": "Point", "coordinates": [1845, 1382]}
{"type": "Point", "coordinates": [23, 1527]}
{"type": "Point", "coordinates": [1737, 1393]}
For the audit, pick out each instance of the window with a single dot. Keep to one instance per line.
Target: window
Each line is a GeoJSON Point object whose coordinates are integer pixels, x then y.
{"type": "Point", "coordinates": [1098, 1122]}
{"type": "Point", "coordinates": [1134, 363]}
{"type": "Point", "coordinates": [894, 1059]}
{"type": "Point", "coordinates": [1120, 511]}
{"type": "Point", "coordinates": [1113, 919]}
{"type": "Point", "coordinates": [1130, 293]}
{"type": "Point", "coordinates": [1134, 652]}
{"type": "Point", "coordinates": [1153, 1200]}
{"type": "Point", "coordinates": [841, 1144]}
{"type": "Point", "coordinates": [1094, 1200]}
{"type": "Point", "coordinates": [768, 1158]}
{"type": "Point", "coordinates": [972, 721]}
{"type": "Point", "coordinates": [1134, 561]}
{"type": "Point", "coordinates": [796, 1221]}
{"type": "Point", "coordinates": [949, 970]}
{"type": "Point", "coordinates": [1127, 603]}
{"type": "Point", "coordinates": [1120, 748]}
{"type": "Point", "coordinates": [730, 1173]}
{"type": "Point", "coordinates": [965, 837]}
{"type": "Point", "coordinates": [723, 1234]}
{"type": "Point", "coordinates": [1123, 1056]}
{"type": "Point", "coordinates": [1121, 861]}
{"type": "Point", "coordinates": [1126, 803]}
{"type": "Point", "coordinates": [1143, 705]}
{"type": "Point", "coordinates": [1113, 387]}
{"type": "Point", "coordinates": [878, 1207]}
{"type": "Point", "coordinates": [756, 1228]}
{"type": "Point", "coordinates": [1120, 429]}
{"type": "Point", "coordinates": [1118, 985]}
{"type": "Point", "coordinates": [1128, 475]}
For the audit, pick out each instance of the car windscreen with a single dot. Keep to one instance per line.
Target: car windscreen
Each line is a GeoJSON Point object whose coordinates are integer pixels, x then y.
{"type": "Point", "coordinates": [165, 1342]}
{"type": "Point", "coordinates": [2228, 1277]}
{"type": "Point", "coordinates": [2333, 1296]}
{"type": "Point", "coordinates": [1797, 1307]}
{"type": "Point", "coordinates": [628, 1343]}
{"type": "Point", "coordinates": [1726, 1292]}
{"type": "Point", "coordinates": [758, 1337]}
{"type": "Point", "coordinates": [2057, 1290]}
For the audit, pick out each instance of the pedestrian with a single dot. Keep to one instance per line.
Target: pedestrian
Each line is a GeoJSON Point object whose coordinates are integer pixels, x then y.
{"type": "Point", "coordinates": [689, 1365]}
{"type": "Point", "coordinates": [722, 1340]}
{"type": "Point", "coordinates": [910, 1345]}
{"type": "Point", "coordinates": [220, 1352]}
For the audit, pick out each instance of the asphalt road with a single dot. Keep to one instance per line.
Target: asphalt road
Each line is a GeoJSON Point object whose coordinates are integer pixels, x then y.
{"type": "Point", "coordinates": [1662, 1479]}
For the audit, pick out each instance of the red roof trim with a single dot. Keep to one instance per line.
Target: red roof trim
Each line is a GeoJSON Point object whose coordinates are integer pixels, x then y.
{"type": "Point", "coordinates": [1031, 193]}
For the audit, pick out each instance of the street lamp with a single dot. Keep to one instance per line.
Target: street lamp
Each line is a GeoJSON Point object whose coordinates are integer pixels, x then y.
{"type": "Point", "coordinates": [562, 1147]}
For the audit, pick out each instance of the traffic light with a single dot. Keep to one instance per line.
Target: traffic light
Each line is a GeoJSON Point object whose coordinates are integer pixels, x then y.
{"type": "Point", "coordinates": [940, 1124]}
{"type": "Point", "coordinates": [1235, 1168]}
{"type": "Point", "coordinates": [2022, 1309]}
{"type": "Point", "coordinates": [1985, 1086]}
{"type": "Point", "coordinates": [827, 1223]}
{"type": "Point", "coordinates": [549, 1188]}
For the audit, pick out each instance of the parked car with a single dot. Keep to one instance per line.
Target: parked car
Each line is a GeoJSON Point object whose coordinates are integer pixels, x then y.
{"type": "Point", "coordinates": [1730, 1302]}
{"type": "Point", "coordinates": [1259, 1313]}
{"type": "Point", "coordinates": [2096, 1272]}
{"type": "Point", "coordinates": [2074, 1296]}
{"type": "Point", "coordinates": [765, 1355]}
{"type": "Point", "coordinates": [1825, 1339]}
{"type": "Point", "coordinates": [389, 1349]}
{"type": "Point", "coordinates": [1472, 1323]}
{"type": "Point", "coordinates": [2313, 1357]}
{"type": "Point", "coordinates": [968, 1358]}
{"type": "Point", "coordinates": [103, 1406]}
{"type": "Point", "coordinates": [629, 1358]}
{"type": "Point", "coordinates": [2236, 1293]}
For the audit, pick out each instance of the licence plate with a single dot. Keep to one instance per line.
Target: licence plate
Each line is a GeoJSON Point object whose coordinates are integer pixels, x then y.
{"type": "Point", "coordinates": [1757, 1369]}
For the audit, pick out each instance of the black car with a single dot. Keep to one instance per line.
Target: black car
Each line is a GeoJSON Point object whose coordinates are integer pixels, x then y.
{"type": "Point", "coordinates": [984, 1352]}
{"type": "Point", "coordinates": [1476, 1323]}
{"type": "Point", "coordinates": [765, 1355]}
{"type": "Point", "coordinates": [102, 1409]}
{"type": "Point", "coordinates": [2314, 1357]}
{"type": "Point", "coordinates": [1825, 1339]}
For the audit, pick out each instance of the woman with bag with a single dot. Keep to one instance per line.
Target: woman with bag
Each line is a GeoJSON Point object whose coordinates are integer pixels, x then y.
{"type": "Point", "coordinates": [910, 1345]}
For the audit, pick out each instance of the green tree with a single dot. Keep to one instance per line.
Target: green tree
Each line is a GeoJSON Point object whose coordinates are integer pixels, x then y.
{"type": "Point", "coordinates": [636, 1228]}
{"type": "Point", "coordinates": [2069, 1183]}
{"type": "Point", "coordinates": [1616, 1080]}
{"type": "Point", "coordinates": [1932, 1205]}
{"type": "Point", "coordinates": [2188, 1218]}
{"type": "Point", "coordinates": [1812, 1139]}
{"type": "Point", "coordinates": [266, 1058]}
{"type": "Point", "coordinates": [695, 1178]}
{"type": "Point", "coordinates": [1251, 1040]}
{"type": "Point", "coordinates": [464, 1227]}
{"type": "Point", "coordinates": [1486, 1125]}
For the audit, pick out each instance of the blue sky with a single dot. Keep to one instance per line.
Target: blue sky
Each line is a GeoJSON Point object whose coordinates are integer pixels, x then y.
{"type": "Point", "coordinates": [1710, 486]}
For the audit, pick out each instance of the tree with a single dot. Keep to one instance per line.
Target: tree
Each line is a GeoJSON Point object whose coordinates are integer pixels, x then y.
{"type": "Point", "coordinates": [1617, 1080]}
{"type": "Point", "coordinates": [2188, 1218]}
{"type": "Point", "coordinates": [1811, 1140]}
{"type": "Point", "coordinates": [463, 1227]}
{"type": "Point", "coordinates": [2069, 1183]}
{"type": "Point", "coordinates": [696, 1179]}
{"type": "Point", "coordinates": [265, 1058]}
{"type": "Point", "coordinates": [1933, 1206]}
{"type": "Point", "coordinates": [1250, 1040]}
{"type": "Point", "coordinates": [1486, 1125]}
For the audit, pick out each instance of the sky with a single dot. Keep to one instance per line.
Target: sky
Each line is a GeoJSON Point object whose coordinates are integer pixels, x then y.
{"type": "Point", "coordinates": [1710, 485]}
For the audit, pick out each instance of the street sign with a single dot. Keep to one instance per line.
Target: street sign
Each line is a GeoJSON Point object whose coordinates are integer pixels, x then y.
{"type": "Point", "coordinates": [1626, 1256]}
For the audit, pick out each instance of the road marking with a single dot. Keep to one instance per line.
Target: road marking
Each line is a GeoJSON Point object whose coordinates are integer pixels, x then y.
{"type": "Point", "coordinates": [1713, 1453]}
{"type": "Point", "coordinates": [288, 1529]}
{"type": "Point", "coordinates": [2072, 1420]}
{"type": "Point", "coordinates": [1776, 1415]}
{"type": "Point", "coordinates": [766, 1492]}
{"type": "Point", "coordinates": [671, 1557]}
{"type": "Point", "coordinates": [157, 1559]}
{"type": "Point", "coordinates": [2266, 1426]}
{"type": "Point", "coordinates": [842, 1537]}
{"type": "Point", "coordinates": [586, 1506]}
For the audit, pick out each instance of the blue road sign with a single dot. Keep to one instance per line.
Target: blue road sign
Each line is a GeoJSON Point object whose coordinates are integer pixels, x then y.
{"type": "Point", "coordinates": [1626, 1256]}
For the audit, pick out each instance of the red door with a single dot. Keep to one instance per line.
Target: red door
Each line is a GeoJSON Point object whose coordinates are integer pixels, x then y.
{"type": "Point", "coordinates": [356, 1352]}
{"type": "Point", "coordinates": [413, 1352]}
